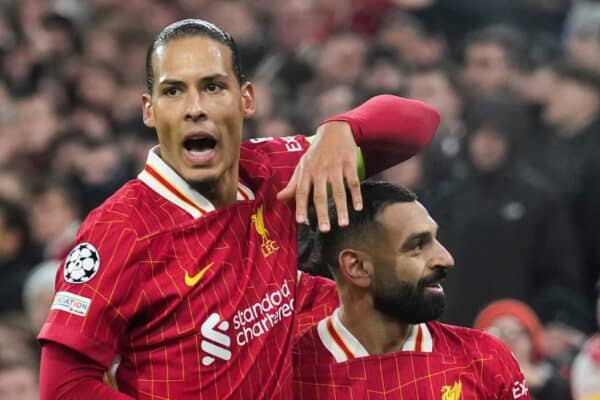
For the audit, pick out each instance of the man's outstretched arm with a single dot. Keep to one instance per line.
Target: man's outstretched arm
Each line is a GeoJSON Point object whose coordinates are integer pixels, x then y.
{"type": "Point", "coordinates": [387, 129]}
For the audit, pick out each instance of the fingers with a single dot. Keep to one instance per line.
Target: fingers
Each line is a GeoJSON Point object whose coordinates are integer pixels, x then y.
{"type": "Point", "coordinates": [320, 203]}
{"type": "Point", "coordinates": [338, 191]}
{"type": "Point", "coordinates": [303, 187]}
{"type": "Point", "coordinates": [303, 183]}
{"type": "Point", "coordinates": [353, 184]}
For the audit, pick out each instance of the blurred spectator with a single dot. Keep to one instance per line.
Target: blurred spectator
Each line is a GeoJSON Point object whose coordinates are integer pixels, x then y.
{"type": "Point", "coordinates": [437, 86]}
{"type": "Point", "coordinates": [240, 20]}
{"type": "Point", "coordinates": [135, 140]}
{"type": "Point", "coordinates": [583, 33]}
{"type": "Point", "coordinates": [341, 59]}
{"type": "Point", "coordinates": [507, 230]}
{"type": "Point", "coordinates": [17, 255]}
{"type": "Point", "coordinates": [102, 168]}
{"type": "Point", "coordinates": [96, 86]}
{"type": "Point", "coordinates": [567, 319]}
{"type": "Point", "coordinates": [339, 65]}
{"type": "Point", "coordinates": [491, 57]}
{"type": "Point", "coordinates": [568, 153]}
{"type": "Point", "coordinates": [410, 39]}
{"type": "Point", "coordinates": [54, 216]}
{"type": "Point", "coordinates": [410, 174]}
{"type": "Point", "coordinates": [274, 127]}
{"type": "Point", "coordinates": [517, 325]}
{"type": "Point", "coordinates": [38, 127]}
{"type": "Point", "coordinates": [18, 381]}
{"type": "Point", "coordinates": [585, 375]}
{"type": "Point", "coordinates": [38, 293]}
{"type": "Point", "coordinates": [11, 186]}
{"type": "Point", "coordinates": [332, 101]}
{"type": "Point", "coordinates": [384, 73]}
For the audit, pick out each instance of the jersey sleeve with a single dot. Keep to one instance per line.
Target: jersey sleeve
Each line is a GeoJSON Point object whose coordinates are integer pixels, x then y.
{"type": "Point", "coordinates": [390, 129]}
{"type": "Point", "coordinates": [66, 374]}
{"type": "Point", "coordinates": [508, 380]}
{"type": "Point", "coordinates": [284, 153]}
{"type": "Point", "coordinates": [94, 299]}
{"type": "Point", "coordinates": [387, 129]}
{"type": "Point", "coordinates": [316, 298]}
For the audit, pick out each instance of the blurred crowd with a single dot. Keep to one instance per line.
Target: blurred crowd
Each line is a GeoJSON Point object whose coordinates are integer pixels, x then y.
{"type": "Point", "coordinates": [512, 176]}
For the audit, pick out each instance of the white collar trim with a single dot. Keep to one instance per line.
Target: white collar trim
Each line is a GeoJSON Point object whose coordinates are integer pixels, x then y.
{"type": "Point", "coordinates": [344, 346]}
{"type": "Point", "coordinates": [163, 179]}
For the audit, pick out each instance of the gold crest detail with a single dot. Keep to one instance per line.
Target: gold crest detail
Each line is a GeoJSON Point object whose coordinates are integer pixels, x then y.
{"type": "Point", "coordinates": [267, 246]}
{"type": "Point", "coordinates": [452, 392]}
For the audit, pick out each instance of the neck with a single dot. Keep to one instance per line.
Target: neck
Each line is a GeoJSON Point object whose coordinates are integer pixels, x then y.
{"type": "Point", "coordinates": [377, 333]}
{"type": "Point", "coordinates": [220, 193]}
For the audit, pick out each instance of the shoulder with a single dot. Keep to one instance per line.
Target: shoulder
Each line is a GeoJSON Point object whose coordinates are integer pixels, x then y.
{"type": "Point", "coordinates": [122, 209]}
{"type": "Point", "coordinates": [285, 143]}
{"type": "Point", "coordinates": [309, 349]}
{"type": "Point", "coordinates": [470, 341]}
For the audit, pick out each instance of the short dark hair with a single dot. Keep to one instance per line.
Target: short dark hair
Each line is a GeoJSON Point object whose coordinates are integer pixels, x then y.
{"type": "Point", "coordinates": [15, 220]}
{"type": "Point", "coordinates": [509, 38]}
{"type": "Point", "coordinates": [447, 70]}
{"type": "Point", "coordinates": [501, 111]}
{"type": "Point", "coordinates": [377, 195]}
{"type": "Point", "coordinates": [193, 27]}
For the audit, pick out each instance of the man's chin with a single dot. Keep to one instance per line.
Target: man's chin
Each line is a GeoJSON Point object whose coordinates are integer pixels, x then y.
{"type": "Point", "coordinates": [206, 185]}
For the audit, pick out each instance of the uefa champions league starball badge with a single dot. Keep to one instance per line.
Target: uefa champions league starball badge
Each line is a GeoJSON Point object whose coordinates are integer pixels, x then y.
{"type": "Point", "coordinates": [82, 263]}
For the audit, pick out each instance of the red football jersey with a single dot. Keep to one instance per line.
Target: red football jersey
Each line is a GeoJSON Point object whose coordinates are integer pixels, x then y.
{"type": "Point", "coordinates": [437, 362]}
{"type": "Point", "coordinates": [197, 302]}
{"type": "Point", "coordinates": [317, 298]}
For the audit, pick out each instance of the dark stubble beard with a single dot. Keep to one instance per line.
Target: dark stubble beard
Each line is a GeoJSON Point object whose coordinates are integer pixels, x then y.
{"type": "Point", "coordinates": [204, 187]}
{"type": "Point", "coordinates": [404, 302]}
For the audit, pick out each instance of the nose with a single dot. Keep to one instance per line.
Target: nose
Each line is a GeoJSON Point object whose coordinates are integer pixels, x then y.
{"type": "Point", "coordinates": [441, 257]}
{"type": "Point", "coordinates": [194, 110]}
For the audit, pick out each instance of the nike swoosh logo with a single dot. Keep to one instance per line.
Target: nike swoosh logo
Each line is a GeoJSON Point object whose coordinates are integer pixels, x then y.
{"type": "Point", "coordinates": [193, 280]}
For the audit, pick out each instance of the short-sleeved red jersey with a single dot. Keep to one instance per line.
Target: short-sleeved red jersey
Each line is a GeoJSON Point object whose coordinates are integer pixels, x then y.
{"type": "Point", "coordinates": [200, 302]}
{"type": "Point", "coordinates": [437, 362]}
{"type": "Point", "coordinates": [197, 302]}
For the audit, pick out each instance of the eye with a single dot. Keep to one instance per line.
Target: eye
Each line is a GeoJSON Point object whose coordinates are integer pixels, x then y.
{"type": "Point", "coordinates": [172, 91]}
{"type": "Point", "coordinates": [421, 243]}
{"type": "Point", "coordinates": [213, 87]}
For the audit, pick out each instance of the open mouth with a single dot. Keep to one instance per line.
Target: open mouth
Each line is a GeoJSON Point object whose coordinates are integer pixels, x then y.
{"type": "Point", "coordinates": [199, 144]}
{"type": "Point", "coordinates": [200, 149]}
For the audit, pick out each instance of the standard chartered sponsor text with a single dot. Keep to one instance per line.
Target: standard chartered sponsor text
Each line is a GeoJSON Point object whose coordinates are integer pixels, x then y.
{"type": "Point", "coordinates": [261, 317]}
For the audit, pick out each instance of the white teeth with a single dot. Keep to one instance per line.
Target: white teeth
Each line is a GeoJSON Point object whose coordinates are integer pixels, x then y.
{"type": "Point", "coordinates": [199, 152]}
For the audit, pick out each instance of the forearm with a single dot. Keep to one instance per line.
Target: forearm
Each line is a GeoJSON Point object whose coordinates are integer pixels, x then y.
{"type": "Point", "coordinates": [67, 375]}
{"type": "Point", "coordinates": [390, 129]}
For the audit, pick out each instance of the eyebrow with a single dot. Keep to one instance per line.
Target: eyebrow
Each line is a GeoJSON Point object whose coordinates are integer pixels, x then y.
{"type": "Point", "coordinates": [416, 237]}
{"type": "Point", "coordinates": [204, 79]}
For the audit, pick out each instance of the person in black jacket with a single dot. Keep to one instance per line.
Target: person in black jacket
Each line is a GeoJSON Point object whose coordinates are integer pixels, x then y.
{"type": "Point", "coordinates": [509, 233]}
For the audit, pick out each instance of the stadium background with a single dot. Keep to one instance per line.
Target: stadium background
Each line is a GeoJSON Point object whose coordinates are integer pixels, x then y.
{"type": "Point", "coordinates": [516, 81]}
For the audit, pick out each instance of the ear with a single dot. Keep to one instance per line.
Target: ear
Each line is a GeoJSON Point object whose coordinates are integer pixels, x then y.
{"type": "Point", "coordinates": [356, 267]}
{"type": "Point", "coordinates": [248, 104]}
{"type": "Point", "coordinates": [147, 110]}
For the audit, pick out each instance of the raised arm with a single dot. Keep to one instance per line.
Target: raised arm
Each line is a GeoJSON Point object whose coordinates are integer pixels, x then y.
{"type": "Point", "coordinates": [387, 129]}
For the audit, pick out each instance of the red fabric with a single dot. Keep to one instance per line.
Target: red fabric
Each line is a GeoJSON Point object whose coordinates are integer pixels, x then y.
{"type": "Point", "coordinates": [464, 364]}
{"type": "Point", "coordinates": [68, 375]}
{"type": "Point", "coordinates": [139, 304]}
{"type": "Point", "coordinates": [316, 298]}
{"type": "Point", "coordinates": [390, 129]}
